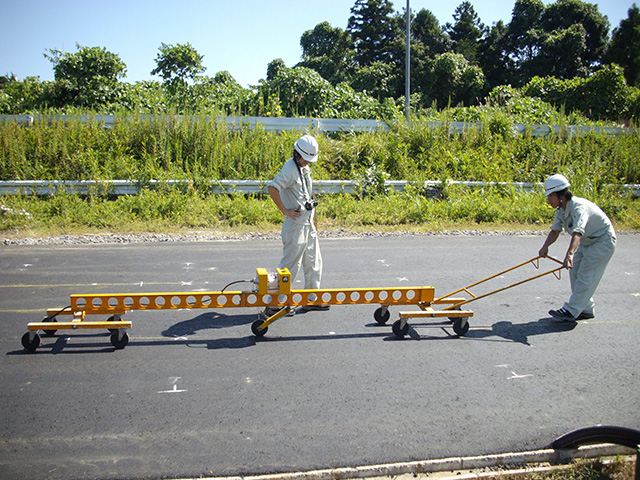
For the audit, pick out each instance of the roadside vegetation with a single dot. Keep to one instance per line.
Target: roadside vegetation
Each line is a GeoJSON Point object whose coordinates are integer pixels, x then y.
{"type": "Point", "coordinates": [618, 469]}
{"type": "Point", "coordinates": [198, 151]}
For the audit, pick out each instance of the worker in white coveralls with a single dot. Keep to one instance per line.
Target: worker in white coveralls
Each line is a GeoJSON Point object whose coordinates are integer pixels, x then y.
{"type": "Point", "coordinates": [292, 192]}
{"type": "Point", "coordinates": [593, 241]}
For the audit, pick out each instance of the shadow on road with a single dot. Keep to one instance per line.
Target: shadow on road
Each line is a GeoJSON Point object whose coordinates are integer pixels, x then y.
{"type": "Point", "coordinates": [178, 334]}
{"type": "Point", "coordinates": [207, 321]}
{"type": "Point", "coordinates": [500, 331]}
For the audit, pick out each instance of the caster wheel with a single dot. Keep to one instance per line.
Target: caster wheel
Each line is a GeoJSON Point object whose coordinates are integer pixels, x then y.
{"type": "Point", "coordinates": [398, 329]}
{"type": "Point", "coordinates": [257, 328]}
{"type": "Point", "coordinates": [119, 343]}
{"type": "Point", "coordinates": [381, 315]}
{"type": "Point", "coordinates": [460, 326]}
{"type": "Point", "coordinates": [30, 344]}
{"type": "Point", "coordinates": [49, 332]}
{"type": "Point", "coordinates": [112, 319]}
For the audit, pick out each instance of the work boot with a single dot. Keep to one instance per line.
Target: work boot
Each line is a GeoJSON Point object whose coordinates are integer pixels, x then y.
{"type": "Point", "coordinates": [562, 314]}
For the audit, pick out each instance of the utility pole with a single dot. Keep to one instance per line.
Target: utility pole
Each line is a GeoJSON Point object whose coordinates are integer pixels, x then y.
{"type": "Point", "coordinates": [407, 89]}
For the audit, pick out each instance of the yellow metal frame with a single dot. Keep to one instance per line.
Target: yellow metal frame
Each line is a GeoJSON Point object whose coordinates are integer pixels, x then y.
{"type": "Point", "coordinates": [120, 303]}
{"type": "Point", "coordinates": [272, 291]}
{"type": "Point", "coordinates": [459, 316]}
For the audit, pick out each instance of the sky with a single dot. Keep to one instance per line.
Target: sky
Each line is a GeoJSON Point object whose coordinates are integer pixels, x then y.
{"type": "Point", "coordinates": [239, 36]}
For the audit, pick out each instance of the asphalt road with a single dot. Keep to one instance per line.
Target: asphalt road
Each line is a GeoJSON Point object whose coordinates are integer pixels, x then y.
{"type": "Point", "coordinates": [195, 393]}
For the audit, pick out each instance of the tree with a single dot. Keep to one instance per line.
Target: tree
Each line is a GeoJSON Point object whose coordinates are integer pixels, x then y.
{"type": "Point", "coordinates": [178, 63]}
{"type": "Point", "coordinates": [568, 36]}
{"type": "Point", "coordinates": [563, 14]}
{"type": "Point", "coordinates": [327, 50]}
{"type": "Point", "coordinates": [426, 31]}
{"type": "Point", "coordinates": [372, 31]}
{"type": "Point", "coordinates": [497, 66]}
{"type": "Point", "coordinates": [451, 80]}
{"type": "Point", "coordinates": [274, 68]}
{"type": "Point", "coordinates": [375, 79]}
{"type": "Point", "coordinates": [466, 32]}
{"type": "Point", "coordinates": [86, 78]}
{"type": "Point", "coordinates": [624, 48]}
{"type": "Point", "coordinates": [562, 52]}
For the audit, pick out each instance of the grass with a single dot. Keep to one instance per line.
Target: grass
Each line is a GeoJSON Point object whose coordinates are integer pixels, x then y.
{"type": "Point", "coordinates": [618, 469]}
{"type": "Point", "coordinates": [178, 212]}
{"type": "Point", "coordinates": [197, 150]}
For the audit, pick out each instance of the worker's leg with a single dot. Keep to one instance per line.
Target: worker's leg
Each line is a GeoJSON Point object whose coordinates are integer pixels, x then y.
{"type": "Point", "coordinates": [293, 247]}
{"type": "Point", "coordinates": [588, 267]}
{"type": "Point", "coordinates": [312, 260]}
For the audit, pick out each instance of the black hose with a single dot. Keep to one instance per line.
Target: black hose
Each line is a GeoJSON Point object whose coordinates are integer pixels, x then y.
{"type": "Point", "coordinates": [624, 436]}
{"type": "Point", "coordinates": [51, 317]}
{"type": "Point", "coordinates": [233, 283]}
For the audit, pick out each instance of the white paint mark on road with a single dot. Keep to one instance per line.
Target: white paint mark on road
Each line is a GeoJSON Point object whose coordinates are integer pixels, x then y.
{"type": "Point", "coordinates": [174, 380]}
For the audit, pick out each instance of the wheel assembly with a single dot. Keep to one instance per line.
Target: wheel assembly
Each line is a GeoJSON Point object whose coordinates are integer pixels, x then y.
{"type": "Point", "coordinates": [381, 315]}
{"type": "Point", "coordinates": [30, 341]}
{"type": "Point", "coordinates": [398, 329]}
{"type": "Point", "coordinates": [257, 328]}
{"type": "Point", "coordinates": [119, 339]}
{"type": "Point", "coordinates": [49, 332]}
{"type": "Point", "coordinates": [460, 326]}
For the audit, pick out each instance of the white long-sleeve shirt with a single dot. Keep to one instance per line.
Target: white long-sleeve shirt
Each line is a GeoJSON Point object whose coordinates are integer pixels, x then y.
{"type": "Point", "coordinates": [292, 191]}
{"type": "Point", "coordinates": [584, 217]}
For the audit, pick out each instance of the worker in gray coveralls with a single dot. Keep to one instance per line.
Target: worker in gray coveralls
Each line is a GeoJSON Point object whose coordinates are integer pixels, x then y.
{"type": "Point", "coordinates": [291, 191]}
{"type": "Point", "coordinates": [593, 241]}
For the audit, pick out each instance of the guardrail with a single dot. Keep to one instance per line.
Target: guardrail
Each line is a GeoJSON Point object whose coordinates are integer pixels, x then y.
{"type": "Point", "coordinates": [275, 124]}
{"type": "Point", "coordinates": [319, 124]}
{"type": "Point", "coordinates": [130, 187]}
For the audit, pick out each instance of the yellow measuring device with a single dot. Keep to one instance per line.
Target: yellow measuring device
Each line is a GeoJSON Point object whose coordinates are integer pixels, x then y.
{"type": "Point", "coordinates": [270, 290]}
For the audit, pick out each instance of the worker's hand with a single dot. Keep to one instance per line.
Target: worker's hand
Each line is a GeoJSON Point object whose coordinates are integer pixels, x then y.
{"type": "Point", "coordinates": [543, 251]}
{"type": "Point", "coordinates": [568, 261]}
{"type": "Point", "coordinates": [293, 213]}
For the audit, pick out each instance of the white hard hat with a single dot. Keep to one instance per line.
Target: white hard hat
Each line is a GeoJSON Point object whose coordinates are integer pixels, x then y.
{"type": "Point", "coordinates": [307, 147]}
{"type": "Point", "coordinates": [555, 183]}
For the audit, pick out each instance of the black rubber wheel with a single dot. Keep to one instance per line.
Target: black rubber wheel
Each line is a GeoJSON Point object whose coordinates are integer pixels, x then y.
{"type": "Point", "coordinates": [381, 315]}
{"type": "Point", "coordinates": [257, 328]}
{"type": "Point", "coordinates": [112, 319]}
{"type": "Point", "coordinates": [458, 327]}
{"type": "Point", "coordinates": [49, 332]}
{"type": "Point", "coordinates": [119, 343]}
{"type": "Point", "coordinates": [398, 330]}
{"type": "Point", "coordinates": [30, 344]}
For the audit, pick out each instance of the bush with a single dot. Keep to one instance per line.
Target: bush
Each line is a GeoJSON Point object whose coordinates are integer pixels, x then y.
{"type": "Point", "coordinates": [603, 96]}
